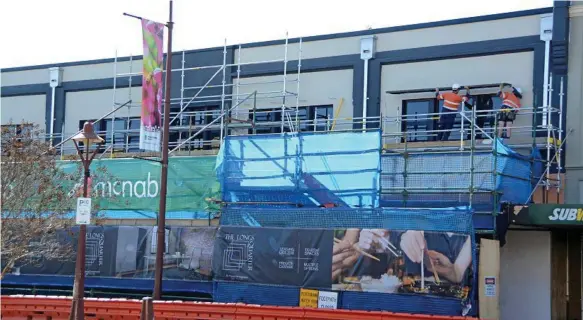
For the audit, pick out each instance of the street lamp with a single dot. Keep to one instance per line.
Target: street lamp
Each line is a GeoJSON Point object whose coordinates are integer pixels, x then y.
{"type": "Point", "coordinates": [88, 137]}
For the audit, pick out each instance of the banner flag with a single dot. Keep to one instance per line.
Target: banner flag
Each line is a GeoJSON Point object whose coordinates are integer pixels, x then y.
{"type": "Point", "coordinates": [151, 120]}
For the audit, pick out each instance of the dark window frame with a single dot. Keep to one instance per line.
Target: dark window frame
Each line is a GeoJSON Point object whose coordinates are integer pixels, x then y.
{"type": "Point", "coordinates": [431, 124]}
{"type": "Point", "coordinates": [308, 113]}
{"type": "Point", "coordinates": [455, 134]}
{"type": "Point", "coordinates": [102, 128]}
{"type": "Point", "coordinates": [202, 116]}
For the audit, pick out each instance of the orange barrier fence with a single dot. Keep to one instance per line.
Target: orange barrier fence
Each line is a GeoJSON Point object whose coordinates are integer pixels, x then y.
{"type": "Point", "coordinates": [57, 308]}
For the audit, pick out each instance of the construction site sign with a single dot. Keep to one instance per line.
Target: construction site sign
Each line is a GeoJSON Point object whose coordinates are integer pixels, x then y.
{"type": "Point", "coordinates": [308, 298]}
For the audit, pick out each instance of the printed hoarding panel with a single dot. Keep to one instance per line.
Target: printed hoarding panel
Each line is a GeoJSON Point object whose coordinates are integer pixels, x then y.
{"type": "Point", "coordinates": [276, 256]}
{"type": "Point", "coordinates": [129, 252]}
{"type": "Point", "coordinates": [380, 260]}
{"type": "Point", "coordinates": [133, 184]}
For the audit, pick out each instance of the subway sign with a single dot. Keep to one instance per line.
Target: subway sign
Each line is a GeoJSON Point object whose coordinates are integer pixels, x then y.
{"type": "Point", "coordinates": [548, 215]}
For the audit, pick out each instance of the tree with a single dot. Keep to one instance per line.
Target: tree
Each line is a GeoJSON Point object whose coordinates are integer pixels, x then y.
{"type": "Point", "coordinates": [38, 199]}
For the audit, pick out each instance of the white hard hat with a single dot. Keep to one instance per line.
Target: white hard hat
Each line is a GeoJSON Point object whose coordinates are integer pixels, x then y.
{"type": "Point", "coordinates": [455, 86]}
{"type": "Point", "coordinates": [518, 90]}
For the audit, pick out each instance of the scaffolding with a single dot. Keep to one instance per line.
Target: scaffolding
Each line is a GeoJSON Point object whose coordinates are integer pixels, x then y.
{"type": "Point", "coordinates": [227, 107]}
{"type": "Point", "coordinates": [527, 139]}
{"type": "Point", "coordinates": [243, 107]}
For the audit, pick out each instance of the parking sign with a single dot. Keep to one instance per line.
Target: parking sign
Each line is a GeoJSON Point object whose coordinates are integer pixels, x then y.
{"type": "Point", "coordinates": [83, 211]}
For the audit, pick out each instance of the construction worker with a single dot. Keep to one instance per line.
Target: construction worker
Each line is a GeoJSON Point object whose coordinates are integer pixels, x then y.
{"type": "Point", "coordinates": [508, 109]}
{"type": "Point", "coordinates": [451, 103]}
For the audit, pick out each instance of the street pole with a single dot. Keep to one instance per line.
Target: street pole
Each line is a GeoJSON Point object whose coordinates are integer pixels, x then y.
{"type": "Point", "coordinates": [161, 232]}
{"type": "Point", "coordinates": [88, 137]}
{"type": "Point", "coordinates": [78, 308]}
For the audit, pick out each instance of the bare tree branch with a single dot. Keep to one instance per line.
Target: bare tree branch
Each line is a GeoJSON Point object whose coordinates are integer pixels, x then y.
{"type": "Point", "coordinates": [38, 199]}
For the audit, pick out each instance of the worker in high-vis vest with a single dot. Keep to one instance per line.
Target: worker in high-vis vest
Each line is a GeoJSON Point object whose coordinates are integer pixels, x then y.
{"type": "Point", "coordinates": [508, 110]}
{"type": "Point", "coordinates": [451, 103]}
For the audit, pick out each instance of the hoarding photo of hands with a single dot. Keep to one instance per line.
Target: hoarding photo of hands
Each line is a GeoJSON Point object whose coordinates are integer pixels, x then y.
{"type": "Point", "coordinates": [380, 260]}
{"type": "Point", "coordinates": [367, 260]}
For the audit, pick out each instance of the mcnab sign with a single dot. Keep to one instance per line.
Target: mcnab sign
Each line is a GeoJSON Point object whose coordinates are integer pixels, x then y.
{"type": "Point", "coordinates": [134, 184]}
{"type": "Point", "coordinates": [548, 215]}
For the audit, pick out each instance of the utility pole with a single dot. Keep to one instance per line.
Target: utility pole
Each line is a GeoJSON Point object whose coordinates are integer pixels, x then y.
{"type": "Point", "coordinates": [161, 232]}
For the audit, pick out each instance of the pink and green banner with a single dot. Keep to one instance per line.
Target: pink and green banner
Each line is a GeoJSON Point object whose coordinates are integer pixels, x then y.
{"type": "Point", "coordinates": [151, 123]}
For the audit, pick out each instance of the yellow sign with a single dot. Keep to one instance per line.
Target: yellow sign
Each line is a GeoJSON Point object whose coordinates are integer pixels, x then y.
{"type": "Point", "coordinates": [309, 298]}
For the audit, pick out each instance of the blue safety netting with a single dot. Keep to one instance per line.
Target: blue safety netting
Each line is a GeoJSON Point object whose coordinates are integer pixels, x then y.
{"type": "Point", "coordinates": [309, 169]}
{"type": "Point", "coordinates": [440, 220]}
{"type": "Point", "coordinates": [232, 292]}
{"type": "Point", "coordinates": [437, 179]}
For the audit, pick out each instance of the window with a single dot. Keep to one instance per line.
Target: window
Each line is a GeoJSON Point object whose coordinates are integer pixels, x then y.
{"type": "Point", "coordinates": [323, 116]}
{"type": "Point", "coordinates": [24, 129]}
{"type": "Point", "coordinates": [133, 135]}
{"type": "Point", "coordinates": [416, 121]}
{"type": "Point", "coordinates": [119, 126]}
{"type": "Point", "coordinates": [421, 127]}
{"type": "Point", "coordinates": [262, 118]}
{"type": "Point", "coordinates": [121, 132]}
{"type": "Point", "coordinates": [310, 118]}
{"type": "Point", "coordinates": [194, 118]}
{"type": "Point", "coordinates": [15, 134]}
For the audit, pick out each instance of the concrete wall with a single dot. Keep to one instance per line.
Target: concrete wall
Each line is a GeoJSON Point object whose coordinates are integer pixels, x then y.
{"type": "Point", "coordinates": [20, 109]}
{"type": "Point", "coordinates": [316, 88]}
{"type": "Point", "coordinates": [17, 78]}
{"type": "Point", "coordinates": [70, 73]}
{"type": "Point", "coordinates": [515, 68]}
{"type": "Point", "coordinates": [100, 71]}
{"type": "Point", "coordinates": [574, 119]}
{"type": "Point", "coordinates": [469, 32]}
{"type": "Point", "coordinates": [525, 282]}
{"type": "Point", "coordinates": [86, 105]}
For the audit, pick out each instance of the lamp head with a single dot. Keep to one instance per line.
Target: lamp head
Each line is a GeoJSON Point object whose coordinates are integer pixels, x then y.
{"type": "Point", "coordinates": [87, 136]}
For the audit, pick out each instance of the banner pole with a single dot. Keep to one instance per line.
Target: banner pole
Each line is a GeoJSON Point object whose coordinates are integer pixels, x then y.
{"type": "Point", "coordinates": [161, 232]}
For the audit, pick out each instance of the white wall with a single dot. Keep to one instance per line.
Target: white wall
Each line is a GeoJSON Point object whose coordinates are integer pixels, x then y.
{"type": "Point", "coordinates": [16, 78]}
{"type": "Point", "coordinates": [469, 32]}
{"type": "Point", "coordinates": [20, 109]}
{"type": "Point", "coordinates": [100, 70]}
{"type": "Point", "coordinates": [515, 68]}
{"type": "Point", "coordinates": [85, 105]}
{"type": "Point", "coordinates": [70, 73]}
{"type": "Point", "coordinates": [316, 88]}
{"type": "Point", "coordinates": [525, 276]}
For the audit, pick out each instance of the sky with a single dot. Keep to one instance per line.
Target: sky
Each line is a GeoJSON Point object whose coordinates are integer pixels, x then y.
{"type": "Point", "coordinates": [53, 31]}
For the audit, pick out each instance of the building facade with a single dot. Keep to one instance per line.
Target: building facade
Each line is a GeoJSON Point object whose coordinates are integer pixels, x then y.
{"type": "Point", "coordinates": [383, 77]}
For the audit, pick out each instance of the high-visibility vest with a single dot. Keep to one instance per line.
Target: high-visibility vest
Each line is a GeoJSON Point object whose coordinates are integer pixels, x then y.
{"type": "Point", "coordinates": [510, 99]}
{"type": "Point", "coordinates": [451, 100]}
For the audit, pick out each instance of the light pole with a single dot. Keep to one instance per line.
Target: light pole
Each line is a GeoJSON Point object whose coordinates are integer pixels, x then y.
{"type": "Point", "coordinates": [87, 137]}
{"type": "Point", "coordinates": [161, 225]}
